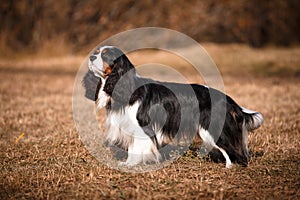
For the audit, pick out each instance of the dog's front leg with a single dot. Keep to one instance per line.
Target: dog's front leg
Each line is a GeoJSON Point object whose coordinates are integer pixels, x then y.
{"type": "Point", "coordinates": [142, 150]}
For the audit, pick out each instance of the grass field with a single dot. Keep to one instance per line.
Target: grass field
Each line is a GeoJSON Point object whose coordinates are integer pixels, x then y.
{"type": "Point", "coordinates": [42, 156]}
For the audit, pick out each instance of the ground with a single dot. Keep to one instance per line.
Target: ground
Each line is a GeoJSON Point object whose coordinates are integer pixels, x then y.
{"type": "Point", "coordinates": [43, 157]}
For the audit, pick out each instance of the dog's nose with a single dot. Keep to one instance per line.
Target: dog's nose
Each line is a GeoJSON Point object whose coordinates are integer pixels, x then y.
{"type": "Point", "coordinates": [92, 58]}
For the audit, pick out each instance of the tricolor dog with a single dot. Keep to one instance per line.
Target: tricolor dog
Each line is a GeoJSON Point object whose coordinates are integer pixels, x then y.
{"type": "Point", "coordinates": [144, 115]}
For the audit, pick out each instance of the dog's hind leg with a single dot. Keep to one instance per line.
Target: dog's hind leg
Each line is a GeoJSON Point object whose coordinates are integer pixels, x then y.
{"type": "Point", "coordinates": [228, 161]}
{"type": "Point", "coordinates": [209, 141]}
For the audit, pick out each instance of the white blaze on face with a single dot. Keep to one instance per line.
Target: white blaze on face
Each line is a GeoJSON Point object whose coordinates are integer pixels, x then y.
{"type": "Point", "coordinates": [96, 65]}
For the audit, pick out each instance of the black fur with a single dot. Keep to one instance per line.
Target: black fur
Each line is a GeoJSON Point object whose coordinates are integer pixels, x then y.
{"type": "Point", "coordinates": [92, 85]}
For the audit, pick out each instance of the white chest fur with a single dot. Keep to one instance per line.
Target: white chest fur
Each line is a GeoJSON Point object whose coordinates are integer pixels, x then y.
{"type": "Point", "coordinates": [103, 97]}
{"type": "Point", "coordinates": [124, 130]}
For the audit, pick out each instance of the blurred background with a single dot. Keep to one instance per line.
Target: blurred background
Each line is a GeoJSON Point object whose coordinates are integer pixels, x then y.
{"type": "Point", "coordinates": [73, 26]}
{"type": "Point", "coordinates": [254, 43]}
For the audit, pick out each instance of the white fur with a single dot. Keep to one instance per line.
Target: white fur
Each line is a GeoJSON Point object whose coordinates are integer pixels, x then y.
{"type": "Point", "coordinates": [245, 110]}
{"type": "Point", "coordinates": [228, 161]}
{"type": "Point", "coordinates": [210, 142]}
{"type": "Point", "coordinates": [142, 150]}
{"type": "Point", "coordinates": [124, 126]}
{"type": "Point", "coordinates": [103, 97]}
{"type": "Point", "coordinates": [159, 136]}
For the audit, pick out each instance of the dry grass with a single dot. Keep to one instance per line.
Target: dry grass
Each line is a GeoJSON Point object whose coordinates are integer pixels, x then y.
{"type": "Point", "coordinates": [51, 162]}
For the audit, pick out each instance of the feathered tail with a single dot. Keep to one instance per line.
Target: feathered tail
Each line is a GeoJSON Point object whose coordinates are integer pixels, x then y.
{"type": "Point", "coordinates": [253, 119]}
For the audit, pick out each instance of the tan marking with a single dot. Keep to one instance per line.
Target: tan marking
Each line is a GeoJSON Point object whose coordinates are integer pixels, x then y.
{"type": "Point", "coordinates": [107, 71]}
{"type": "Point", "coordinates": [107, 68]}
{"type": "Point", "coordinates": [166, 140]}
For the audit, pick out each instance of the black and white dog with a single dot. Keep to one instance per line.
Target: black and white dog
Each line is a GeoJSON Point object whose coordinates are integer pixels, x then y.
{"type": "Point", "coordinates": [144, 115]}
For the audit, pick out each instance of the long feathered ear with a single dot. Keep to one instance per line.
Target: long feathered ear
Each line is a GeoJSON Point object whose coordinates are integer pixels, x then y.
{"type": "Point", "coordinates": [92, 84]}
{"type": "Point", "coordinates": [121, 82]}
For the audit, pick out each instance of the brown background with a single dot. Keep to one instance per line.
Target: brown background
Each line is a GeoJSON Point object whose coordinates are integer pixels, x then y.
{"type": "Point", "coordinates": [42, 45]}
{"type": "Point", "coordinates": [30, 25]}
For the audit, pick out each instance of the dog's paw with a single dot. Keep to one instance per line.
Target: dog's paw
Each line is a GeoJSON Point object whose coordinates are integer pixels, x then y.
{"type": "Point", "coordinates": [127, 164]}
{"type": "Point", "coordinates": [122, 164]}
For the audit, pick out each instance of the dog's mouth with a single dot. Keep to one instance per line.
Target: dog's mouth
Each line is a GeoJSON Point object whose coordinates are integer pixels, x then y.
{"type": "Point", "coordinates": [96, 71]}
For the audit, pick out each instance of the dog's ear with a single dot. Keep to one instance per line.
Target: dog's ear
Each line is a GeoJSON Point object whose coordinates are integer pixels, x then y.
{"type": "Point", "coordinates": [92, 84]}
{"type": "Point", "coordinates": [110, 55]}
{"type": "Point", "coordinates": [122, 65]}
{"type": "Point", "coordinates": [121, 82]}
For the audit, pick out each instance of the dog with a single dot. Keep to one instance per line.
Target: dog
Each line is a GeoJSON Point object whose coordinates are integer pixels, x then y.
{"type": "Point", "coordinates": [144, 115]}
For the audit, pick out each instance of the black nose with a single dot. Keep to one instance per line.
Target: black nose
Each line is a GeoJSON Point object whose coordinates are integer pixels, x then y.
{"type": "Point", "coordinates": [92, 58]}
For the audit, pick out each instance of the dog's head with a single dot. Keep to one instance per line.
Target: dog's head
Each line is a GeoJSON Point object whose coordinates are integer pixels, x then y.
{"type": "Point", "coordinates": [107, 65]}
{"type": "Point", "coordinates": [103, 60]}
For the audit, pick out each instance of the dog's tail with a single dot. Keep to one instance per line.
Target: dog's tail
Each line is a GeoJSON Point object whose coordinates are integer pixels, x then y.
{"type": "Point", "coordinates": [253, 119]}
